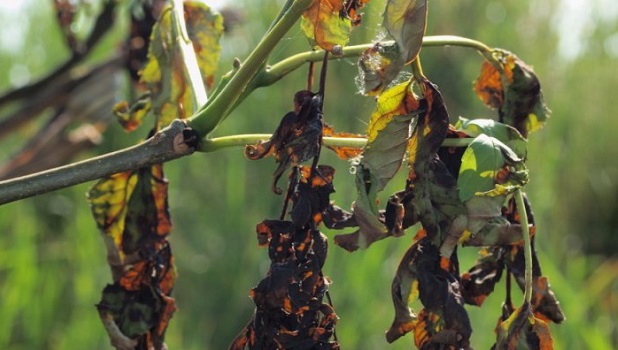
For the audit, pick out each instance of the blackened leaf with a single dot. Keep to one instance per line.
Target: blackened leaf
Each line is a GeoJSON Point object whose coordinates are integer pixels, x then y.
{"type": "Point", "coordinates": [504, 133]}
{"type": "Point", "coordinates": [352, 7]}
{"type": "Point", "coordinates": [298, 137]}
{"type": "Point", "coordinates": [324, 26]}
{"type": "Point", "coordinates": [378, 66]}
{"type": "Point", "coordinates": [481, 278]}
{"type": "Point", "coordinates": [404, 290]}
{"type": "Point", "coordinates": [405, 21]}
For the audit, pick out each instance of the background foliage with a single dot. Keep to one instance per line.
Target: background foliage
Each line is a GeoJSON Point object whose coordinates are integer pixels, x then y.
{"type": "Point", "coordinates": [52, 260]}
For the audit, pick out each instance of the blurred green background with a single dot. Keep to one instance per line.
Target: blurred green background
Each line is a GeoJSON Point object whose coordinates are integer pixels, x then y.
{"type": "Point", "coordinates": [52, 258]}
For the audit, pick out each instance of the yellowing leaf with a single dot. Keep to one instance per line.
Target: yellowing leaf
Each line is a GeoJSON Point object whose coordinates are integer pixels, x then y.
{"type": "Point", "coordinates": [405, 21]}
{"type": "Point", "coordinates": [398, 100]}
{"type": "Point", "coordinates": [129, 207]}
{"type": "Point", "coordinates": [165, 73]}
{"type": "Point", "coordinates": [130, 117]}
{"type": "Point", "coordinates": [324, 26]}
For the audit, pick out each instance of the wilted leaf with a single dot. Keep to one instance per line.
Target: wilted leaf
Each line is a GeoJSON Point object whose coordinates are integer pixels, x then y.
{"type": "Point", "coordinates": [481, 278]}
{"type": "Point", "coordinates": [488, 86]}
{"type": "Point", "coordinates": [514, 90]}
{"type": "Point", "coordinates": [324, 26]}
{"type": "Point", "coordinates": [522, 329]}
{"type": "Point", "coordinates": [378, 66]}
{"type": "Point", "coordinates": [405, 21]}
{"type": "Point", "coordinates": [165, 74]}
{"type": "Point", "coordinates": [131, 117]}
{"type": "Point", "coordinates": [342, 152]}
{"type": "Point", "coordinates": [298, 137]}
{"type": "Point", "coordinates": [443, 319]}
{"type": "Point", "coordinates": [130, 208]}
{"type": "Point", "coordinates": [351, 9]}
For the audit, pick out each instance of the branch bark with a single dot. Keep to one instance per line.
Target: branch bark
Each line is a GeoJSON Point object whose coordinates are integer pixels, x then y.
{"type": "Point", "coordinates": [175, 141]}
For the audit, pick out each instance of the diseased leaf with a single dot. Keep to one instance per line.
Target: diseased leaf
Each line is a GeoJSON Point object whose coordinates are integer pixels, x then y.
{"type": "Point", "coordinates": [298, 137]}
{"type": "Point", "coordinates": [342, 152]}
{"type": "Point", "coordinates": [324, 26]}
{"type": "Point", "coordinates": [131, 210]}
{"type": "Point", "coordinates": [352, 7]}
{"type": "Point", "coordinates": [522, 329]}
{"type": "Point", "coordinates": [389, 132]}
{"type": "Point", "coordinates": [514, 90]}
{"type": "Point", "coordinates": [165, 74]}
{"type": "Point", "coordinates": [488, 86]}
{"type": "Point", "coordinates": [131, 117]}
{"type": "Point", "coordinates": [378, 67]}
{"type": "Point", "coordinates": [480, 280]}
{"type": "Point", "coordinates": [405, 21]}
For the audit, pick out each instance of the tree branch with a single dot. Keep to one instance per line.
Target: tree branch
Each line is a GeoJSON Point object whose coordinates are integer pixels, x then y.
{"type": "Point", "coordinates": [175, 141]}
{"type": "Point", "coordinates": [218, 143]}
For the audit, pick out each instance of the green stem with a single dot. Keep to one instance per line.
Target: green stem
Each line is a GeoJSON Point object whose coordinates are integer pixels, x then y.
{"type": "Point", "coordinates": [185, 45]}
{"type": "Point", "coordinates": [252, 74]}
{"type": "Point", "coordinates": [207, 119]}
{"type": "Point", "coordinates": [218, 143]}
{"type": "Point", "coordinates": [523, 218]}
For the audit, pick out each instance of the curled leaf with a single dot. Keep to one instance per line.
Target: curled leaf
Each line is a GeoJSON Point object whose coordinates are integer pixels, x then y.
{"type": "Point", "coordinates": [512, 87]}
{"type": "Point", "coordinates": [378, 67]}
{"type": "Point", "coordinates": [405, 21]}
{"type": "Point", "coordinates": [297, 139]}
{"type": "Point", "coordinates": [342, 152]}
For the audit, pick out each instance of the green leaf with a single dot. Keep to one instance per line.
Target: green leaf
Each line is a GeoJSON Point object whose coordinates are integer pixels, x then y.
{"type": "Point", "coordinates": [505, 133]}
{"type": "Point", "coordinates": [479, 166]}
{"type": "Point", "coordinates": [405, 21]}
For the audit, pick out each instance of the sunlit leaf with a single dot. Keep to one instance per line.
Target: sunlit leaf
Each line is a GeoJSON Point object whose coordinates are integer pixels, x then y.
{"type": "Point", "coordinates": [504, 133]}
{"type": "Point", "coordinates": [324, 26]}
{"type": "Point", "coordinates": [165, 74]}
{"type": "Point", "coordinates": [514, 89]}
{"type": "Point", "coordinates": [405, 21]}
